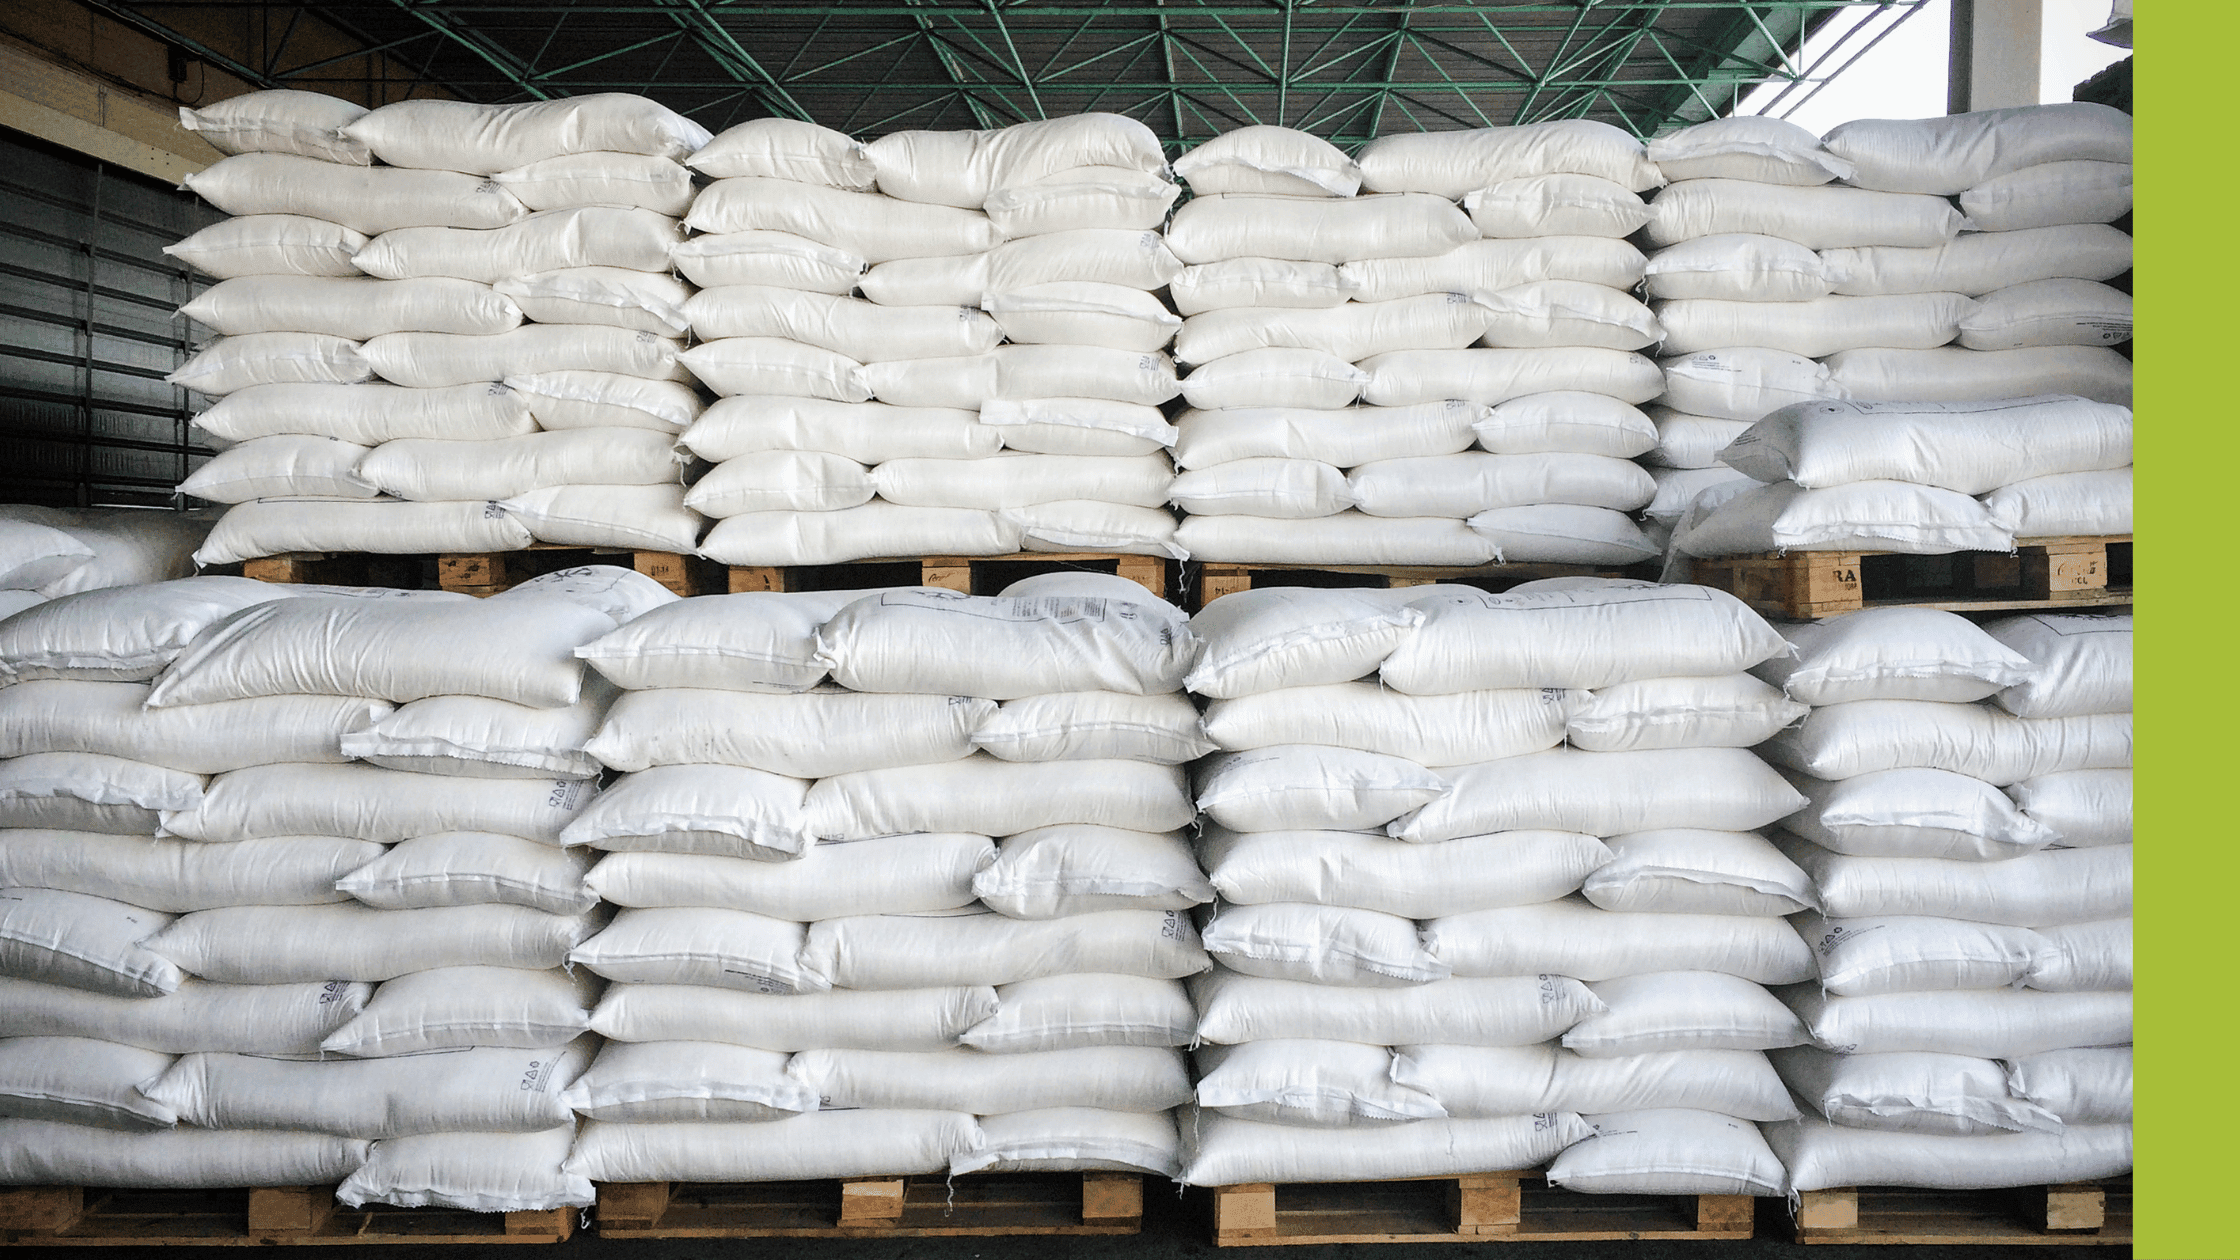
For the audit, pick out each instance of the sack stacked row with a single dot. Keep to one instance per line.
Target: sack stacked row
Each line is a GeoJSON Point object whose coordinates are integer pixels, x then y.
{"type": "Point", "coordinates": [1490, 347]}
{"type": "Point", "coordinates": [1925, 478]}
{"type": "Point", "coordinates": [996, 387]}
{"type": "Point", "coordinates": [1492, 891]}
{"type": "Point", "coordinates": [467, 346]}
{"type": "Point", "coordinates": [902, 883]}
{"type": "Point", "coordinates": [295, 911]}
{"type": "Point", "coordinates": [1944, 260]}
{"type": "Point", "coordinates": [1969, 842]}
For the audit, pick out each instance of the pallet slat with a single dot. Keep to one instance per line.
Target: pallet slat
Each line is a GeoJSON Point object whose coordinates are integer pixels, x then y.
{"type": "Point", "coordinates": [1477, 1207]}
{"type": "Point", "coordinates": [2081, 1214]}
{"type": "Point", "coordinates": [2043, 573]}
{"type": "Point", "coordinates": [292, 1216]}
{"type": "Point", "coordinates": [877, 1207]}
{"type": "Point", "coordinates": [1218, 578]}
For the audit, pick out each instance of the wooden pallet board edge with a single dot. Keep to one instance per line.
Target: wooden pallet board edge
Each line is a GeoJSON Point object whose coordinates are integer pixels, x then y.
{"type": "Point", "coordinates": [2075, 1214]}
{"type": "Point", "coordinates": [1486, 1208]}
{"type": "Point", "coordinates": [296, 1216]}
{"type": "Point", "coordinates": [955, 572]}
{"type": "Point", "coordinates": [1107, 1203]}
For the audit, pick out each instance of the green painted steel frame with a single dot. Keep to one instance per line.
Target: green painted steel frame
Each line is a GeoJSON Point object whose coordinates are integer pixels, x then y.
{"type": "Point", "coordinates": [1192, 68]}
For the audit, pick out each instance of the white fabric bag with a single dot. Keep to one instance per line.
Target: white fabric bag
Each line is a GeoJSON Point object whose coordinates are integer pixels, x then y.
{"type": "Point", "coordinates": [1980, 262]}
{"type": "Point", "coordinates": [764, 257]}
{"type": "Point", "coordinates": [83, 942]}
{"type": "Point", "coordinates": [702, 946]}
{"type": "Point", "coordinates": [1858, 516]}
{"type": "Point", "coordinates": [1577, 636]}
{"type": "Point", "coordinates": [1697, 872]}
{"type": "Point", "coordinates": [1275, 378]}
{"type": "Point", "coordinates": [1111, 1078]}
{"type": "Point", "coordinates": [2044, 889]}
{"type": "Point", "coordinates": [1556, 205]}
{"type": "Point", "coordinates": [2049, 195]}
{"type": "Point", "coordinates": [1055, 871]}
{"type": "Point", "coordinates": [1401, 377]}
{"type": "Point", "coordinates": [1952, 154]}
{"type": "Point", "coordinates": [177, 876]}
{"type": "Point", "coordinates": [787, 148]}
{"type": "Point", "coordinates": [277, 358]}
{"type": "Point", "coordinates": [1021, 479]}
{"type": "Point", "coordinates": [641, 301]}
{"type": "Point", "coordinates": [2048, 313]}
{"type": "Point", "coordinates": [1970, 448]}
{"type": "Point", "coordinates": [1892, 654]}
{"type": "Point", "coordinates": [2082, 807]}
{"type": "Point", "coordinates": [1954, 374]}
{"type": "Point", "coordinates": [818, 1145]}
{"type": "Point", "coordinates": [1006, 648]}
{"type": "Point", "coordinates": [1756, 148]}
{"type": "Point", "coordinates": [1284, 787]}
{"type": "Point", "coordinates": [1451, 163]}
{"type": "Point", "coordinates": [1669, 1152]}
{"type": "Point", "coordinates": [1095, 726]}
{"type": "Point", "coordinates": [776, 365]}
{"type": "Point", "coordinates": [1333, 945]}
{"type": "Point", "coordinates": [1063, 1012]}
{"type": "Point", "coordinates": [1744, 383]}
{"type": "Point", "coordinates": [274, 1019]}
{"type": "Point", "coordinates": [43, 1152]}
{"type": "Point", "coordinates": [1083, 314]}
{"type": "Point", "coordinates": [353, 308]}
{"type": "Point", "coordinates": [862, 331]}
{"type": "Point", "coordinates": [1984, 1023]}
{"type": "Point", "coordinates": [756, 641]}
{"type": "Point", "coordinates": [1264, 159]}
{"type": "Point", "coordinates": [1342, 437]}
{"type": "Point", "coordinates": [1863, 957]}
{"type": "Point", "coordinates": [1498, 264]}
{"type": "Point", "coordinates": [1840, 741]}
{"type": "Point", "coordinates": [666, 1082]}
{"type": "Point", "coordinates": [1566, 420]}
{"type": "Point", "coordinates": [1223, 1151]}
{"type": "Point", "coordinates": [1258, 282]}
{"type": "Point", "coordinates": [633, 180]}
{"type": "Point", "coordinates": [1331, 230]}
{"type": "Point", "coordinates": [920, 951]}
{"type": "Point", "coordinates": [1432, 730]}
{"type": "Point", "coordinates": [1605, 794]}
{"type": "Point", "coordinates": [1414, 881]}
{"type": "Point", "coordinates": [452, 1007]}
{"type": "Point", "coordinates": [82, 716]}
{"type": "Point", "coordinates": [549, 240]}
{"type": "Point", "coordinates": [642, 517]}
{"type": "Point", "coordinates": [872, 227]}
{"type": "Point", "coordinates": [295, 944]}
{"type": "Point", "coordinates": [281, 121]}
{"type": "Point", "coordinates": [1320, 1084]}
{"type": "Point", "coordinates": [918, 1019]}
{"type": "Point", "coordinates": [2079, 1086]}
{"type": "Point", "coordinates": [2082, 663]}
{"type": "Point", "coordinates": [464, 136]}
{"type": "Point", "coordinates": [875, 529]}
{"type": "Point", "coordinates": [1483, 1082]}
{"type": "Point", "coordinates": [1273, 637]}
{"type": "Point", "coordinates": [1500, 1011]}
{"type": "Point", "coordinates": [475, 1172]}
{"type": "Point", "coordinates": [1726, 711]}
{"type": "Point", "coordinates": [476, 1090]}
{"type": "Point", "coordinates": [270, 245]}
{"type": "Point", "coordinates": [1567, 313]}
{"type": "Point", "coordinates": [866, 432]}
{"type": "Point", "coordinates": [386, 527]}
{"type": "Point", "coordinates": [1069, 1139]}
{"type": "Point", "coordinates": [893, 875]}
{"type": "Point", "coordinates": [1821, 326]}
{"type": "Point", "coordinates": [1819, 1155]}
{"type": "Point", "coordinates": [1355, 330]}
{"type": "Point", "coordinates": [1472, 482]}
{"type": "Point", "coordinates": [807, 736]}
{"type": "Point", "coordinates": [429, 360]}
{"type": "Point", "coordinates": [1924, 813]}
{"type": "Point", "coordinates": [462, 868]}
{"type": "Point", "coordinates": [1950, 1095]}
{"type": "Point", "coordinates": [80, 1081]}
{"type": "Point", "coordinates": [1742, 267]}
{"type": "Point", "coordinates": [421, 470]}
{"type": "Point", "coordinates": [368, 199]}
{"type": "Point", "coordinates": [2064, 504]}
{"type": "Point", "coordinates": [280, 466]}
{"type": "Point", "coordinates": [1682, 1010]}
{"type": "Point", "coordinates": [482, 738]}
{"type": "Point", "coordinates": [64, 791]}
{"type": "Point", "coordinates": [1572, 938]}
{"type": "Point", "coordinates": [1824, 217]}
{"type": "Point", "coordinates": [723, 811]}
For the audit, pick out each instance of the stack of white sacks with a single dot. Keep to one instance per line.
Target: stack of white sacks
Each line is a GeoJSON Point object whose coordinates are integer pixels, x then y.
{"type": "Point", "coordinates": [1925, 478]}
{"type": "Point", "coordinates": [304, 892]}
{"type": "Point", "coordinates": [467, 347]}
{"type": "Point", "coordinates": [1969, 842]}
{"type": "Point", "coordinates": [1303, 299]}
{"type": "Point", "coordinates": [49, 552]}
{"type": "Point", "coordinates": [902, 882]}
{"type": "Point", "coordinates": [1492, 892]}
{"type": "Point", "coordinates": [998, 385]}
{"type": "Point", "coordinates": [1776, 283]}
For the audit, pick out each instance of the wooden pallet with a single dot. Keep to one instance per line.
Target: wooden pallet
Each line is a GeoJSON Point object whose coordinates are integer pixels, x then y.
{"type": "Point", "coordinates": [481, 573]}
{"type": "Point", "coordinates": [1218, 578]}
{"type": "Point", "coordinates": [2042, 573]}
{"type": "Point", "coordinates": [292, 1216]}
{"type": "Point", "coordinates": [974, 575]}
{"type": "Point", "coordinates": [2096, 1213]}
{"type": "Point", "coordinates": [876, 1207]}
{"type": "Point", "coordinates": [1479, 1207]}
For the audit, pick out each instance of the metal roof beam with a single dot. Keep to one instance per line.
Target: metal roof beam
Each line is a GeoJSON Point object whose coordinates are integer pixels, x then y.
{"type": "Point", "coordinates": [515, 71]}
{"type": "Point", "coordinates": [717, 41]}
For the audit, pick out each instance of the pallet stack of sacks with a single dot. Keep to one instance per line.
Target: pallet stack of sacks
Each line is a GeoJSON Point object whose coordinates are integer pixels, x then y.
{"type": "Point", "coordinates": [1924, 478]}
{"type": "Point", "coordinates": [1492, 892]}
{"type": "Point", "coordinates": [902, 882]}
{"type": "Point", "coordinates": [998, 385]}
{"type": "Point", "coordinates": [1969, 842]}
{"type": "Point", "coordinates": [1316, 283]}
{"type": "Point", "coordinates": [2041, 186]}
{"type": "Point", "coordinates": [322, 870]}
{"type": "Point", "coordinates": [469, 346]}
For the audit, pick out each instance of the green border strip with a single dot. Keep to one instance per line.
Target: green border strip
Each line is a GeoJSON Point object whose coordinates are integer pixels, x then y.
{"type": "Point", "coordinates": [2187, 1029]}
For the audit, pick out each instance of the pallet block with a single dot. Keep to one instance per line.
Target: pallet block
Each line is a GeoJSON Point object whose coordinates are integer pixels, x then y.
{"type": "Point", "coordinates": [957, 573]}
{"type": "Point", "coordinates": [2080, 1214]}
{"type": "Point", "coordinates": [1475, 1207]}
{"type": "Point", "coordinates": [289, 1216]}
{"type": "Point", "coordinates": [1218, 578]}
{"type": "Point", "coordinates": [877, 1207]}
{"type": "Point", "coordinates": [2042, 574]}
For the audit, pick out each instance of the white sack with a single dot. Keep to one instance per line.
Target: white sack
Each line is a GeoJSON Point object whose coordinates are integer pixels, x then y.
{"type": "Point", "coordinates": [1271, 637]}
{"type": "Point", "coordinates": [1355, 330]}
{"type": "Point", "coordinates": [594, 236]}
{"type": "Point", "coordinates": [2082, 807]}
{"type": "Point", "coordinates": [1840, 741]}
{"type": "Point", "coordinates": [356, 309]}
{"type": "Point", "coordinates": [2080, 1086]}
{"type": "Point", "coordinates": [872, 530]}
{"type": "Point", "coordinates": [1414, 881]}
{"type": "Point", "coordinates": [1985, 1023]}
{"type": "Point", "coordinates": [676, 1081]}
{"type": "Point", "coordinates": [368, 199]}
{"type": "Point", "coordinates": [1113, 1078]}
{"type": "Point", "coordinates": [1567, 313]}
{"type": "Point", "coordinates": [1062, 1012]}
{"type": "Point", "coordinates": [787, 148]}
{"type": "Point", "coordinates": [80, 1081]}
{"type": "Point", "coordinates": [2094, 503]}
{"type": "Point", "coordinates": [1285, 787]}
{"type": "Point", "coordinates": [295, 944]}
{"type": "Point", "coordinates": [83, 942]}
{"type": "Point", "coordinates": [1566, 420]}
{"type": "Point", "coordinates": [913, 952]}
{"type": "Point", "coordinates": [763, 257]}
{"type": "Point", "coordinates": [1322, 1084]}
{"type": "Point", "coordinates": [1498, 264]}
{"type": "Point", "coordinates": [1970, 448]}
{"type": "Point", "coordinates": [452, 1007]}
{"type": "Point", "coordinates": [1820, 1156]}
{"type": "Point", "coordinates": [1342, 538]}
{"type": "Point", "coordinates": [1679, 871]}
{"type": "Point", "coordinates": [473, 1090]}
{"type": "Point", "coordinates": [270, 245]}
{"type": "Point", "coordinates": [467, 868]}
{"type": "Point", "coordinates": [1484, 1082]}
{"type": "Point", "coordinates": [2048, 313]}
{"type": "Point", "coordinates": [177, 876]}
{"type": "Point", "coordinates": [422, 470]}
{"type": "Point", "coordinates": [1857, 516]}
{"type": "Point", "coordinates": [872, 227]}
{"type": "Point", "coordinates": [2081, 663]}
{"type": "Point", "coordinates": [1745, 383]}
{"type": "Point", "coordinates": [866, 432]}
{"type": "Point", "coordinates": [74, 715]}
{"type": "Point", "coordinates": [371, 413]}
{"type": "Point", "coordinates": [1265, 159]}
{"type": "Point", "coordinates": [464, 136]}
{"type": "Point", "coordinates": [2050, 195]}
{"type": "Point", "coordinates": [1756, 148]}
{"type": "Point", "coordinates": [1892, 654]}
{"type": "Point", "coordinates": [1826, 217]}
{"type": "Point", "coordinates": [2037, 890]}
{"type": "Point", "coordinates": [1466, 484]}
{"type": "Point", "coordinates": [1329, 945]}
{"type": "Point", "coordinates": [474, 1172]}
{"type": "Point", "coordinates": [1432, 730]}
{"type": "Point", "coordinates": [641, 180]}
{"type": "Point", "coordinates": [1572, 938]}
{"type": "Point", "coordinates": [1953, 374]}
{"type": "Point", "coordinates": [276, 358]}
{"type": "Point", "coordinates": [281, 466]}
{"type": "Point", "coordinates": [1494, 376]}
{"type": "Point", "coordinates": [1724, 711]}
{"type": "Point", "coordinates": [43, 1152]}
{"type": "Point", "coordinates": [932, 641]}
{"type": "Point", "coordinates": [88, 792]}
{"type": "Point", "coordinates": [1258, 282]}
{"type": "Point", "coordinates": [1343, 437]}
{"type": "Point", "coordinates": [918, 1019]}
{"type": "Point", "coordinates": [1287, 489]}
{"type": "Point", "coordinates": [1222, 1151]}
{"type": "Point", "coordinates": [1948, 1095]}
{"type": "Point", "coordinates": [1924, 813]}
{"type": "Point", "coordinates": [1095, 726]}
{"type": "Point", "coordinates": [806, 736]}
{"type": "Point", "coordinates": [273, 1019]}
{"type": "Point", "coordinates": [755, 641]}
{"type": "Point", "coordinates": [1682, 1010]}
{"type": "Point", "coordinates": [1451, 163]}
{"type": "Point", "coordinates": [641, 301]}
{"type": "Point", "coordinates": [855, 329]}
{"type": "Point", "coordinates": [1501, 1011]}
{"type": "Point", "coordinates": [1980, 262]}
{"type": "Point", "coordinates": [1055, 871]}
{"type": "Point", "coordinates": [822, 1144]}
{"type": "Point", "coordinates": [1275, 378]}
{"type": "Point", "coordinates": [1952, 154]}
{"type": "Point", "coordinates": [893, 875]}
{"type": "Point", "coordinates": [1331, 230]}
{"type": "Point", "coordinates": [722, 811]}
{"type": "Point", "coordinates": [431, 360]}
{"type": "Point", "coordinates": [725, 949]}
{"type": "Point", "coordinates": [1067, 1139]}
{"type": "Point", "coordinates": [1584, 636]}
{"type": "Point", "coordinates": [281, 121]}
{"type": "Point", "coordinates": [1821, 326]}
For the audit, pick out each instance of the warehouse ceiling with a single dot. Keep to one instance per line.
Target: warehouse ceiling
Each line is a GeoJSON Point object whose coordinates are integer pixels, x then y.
{"type": "Point", "coordinates": [1190, 69]}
